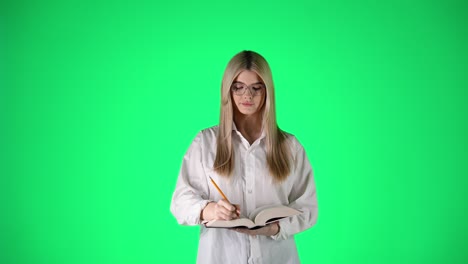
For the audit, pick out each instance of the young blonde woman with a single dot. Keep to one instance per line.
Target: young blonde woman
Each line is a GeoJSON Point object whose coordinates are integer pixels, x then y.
{"type": "Point", "coordinates": [255, 164]}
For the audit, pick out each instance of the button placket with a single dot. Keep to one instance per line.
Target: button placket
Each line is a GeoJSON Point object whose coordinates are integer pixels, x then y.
{"type": "Point", "coordinates": [250, 176]}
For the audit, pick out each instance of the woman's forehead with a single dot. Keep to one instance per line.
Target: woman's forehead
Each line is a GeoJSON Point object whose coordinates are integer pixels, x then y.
{"type": "Point", "coordinates": [248, 77]}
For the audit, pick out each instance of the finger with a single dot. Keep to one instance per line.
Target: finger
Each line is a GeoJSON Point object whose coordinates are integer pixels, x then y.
{"type": "Point", "coordinates": [227, 205]}
{"type": "Point", "coordinates": [222, 210]}
{"type": "Point", "coordinates": [221, 216]}
{"type": "Point", "coordinates": [243, 230]}
{"type": "Point", "coordinates": [238, 211]}
{"type": "Point", "coordinates": [222, 213]}
{"type": "Point", "coordinates": [229, 209]}
{"type": "Point", "coordinates": [226, 217]}
{"type": "Point", "coordinates": [246, 231]}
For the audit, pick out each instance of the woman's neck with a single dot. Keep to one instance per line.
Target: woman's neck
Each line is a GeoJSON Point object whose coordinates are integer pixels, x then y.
{"type": "Point", "coordinates": [249, 126]}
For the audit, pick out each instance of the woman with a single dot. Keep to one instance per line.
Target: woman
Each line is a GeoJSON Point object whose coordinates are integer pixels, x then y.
{"type": "Point", "coordinates": [255, 164]}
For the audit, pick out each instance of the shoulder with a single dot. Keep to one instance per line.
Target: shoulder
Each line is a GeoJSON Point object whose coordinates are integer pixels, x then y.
{"type": "Point", "coordinates": [210, 131]}
{"type": "Point", "coordinates": [203, 140]}
{"type": "Point", "coordinates": [206, 135]}
{"type": "Point", "coordinates": [292, 141]}
{"type": "Point", "coordinates": [297, 151]}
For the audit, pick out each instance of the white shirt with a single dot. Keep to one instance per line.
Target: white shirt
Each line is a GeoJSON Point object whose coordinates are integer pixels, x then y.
{"type": "Point", "coordinates": [251, 186]}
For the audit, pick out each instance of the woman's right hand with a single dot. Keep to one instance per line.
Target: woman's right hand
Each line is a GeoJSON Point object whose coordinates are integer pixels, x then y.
{"type": "Point", "coordinates": [222, 210]}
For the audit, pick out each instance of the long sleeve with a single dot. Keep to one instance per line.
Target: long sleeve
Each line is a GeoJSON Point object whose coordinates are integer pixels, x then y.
{"type": "Point", "coordinates": [302, 197]}
{"type": "Point", "coordinates": [191, 193]}
{"type": "Point", "coordinates": [250, 186]}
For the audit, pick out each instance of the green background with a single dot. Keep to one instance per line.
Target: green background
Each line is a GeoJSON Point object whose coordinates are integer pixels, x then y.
{"type": "Point", "coordinates": [100, 100]}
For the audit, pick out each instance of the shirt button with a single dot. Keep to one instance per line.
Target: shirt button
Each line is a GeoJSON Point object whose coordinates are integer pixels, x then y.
{"type": "Point", "coordinates": [250, 190]}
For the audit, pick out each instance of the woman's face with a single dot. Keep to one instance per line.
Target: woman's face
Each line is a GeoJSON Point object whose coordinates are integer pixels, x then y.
{"type": "Point", "coordinates": [254, 93]}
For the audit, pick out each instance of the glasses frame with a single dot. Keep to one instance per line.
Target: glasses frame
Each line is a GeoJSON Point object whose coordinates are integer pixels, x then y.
{"type": "Point", "coordinates": [249, 87]}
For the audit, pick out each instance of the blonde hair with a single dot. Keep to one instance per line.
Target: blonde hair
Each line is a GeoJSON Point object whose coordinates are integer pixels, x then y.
{"type": "Point", "coordinates": [278, 154]}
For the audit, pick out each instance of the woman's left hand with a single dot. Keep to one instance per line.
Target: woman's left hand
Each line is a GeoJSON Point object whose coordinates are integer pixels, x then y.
{"type": "Point", "coordinates": [268, 230]}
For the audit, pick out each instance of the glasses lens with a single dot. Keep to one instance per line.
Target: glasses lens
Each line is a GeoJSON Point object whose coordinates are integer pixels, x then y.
{"type": "Point", "coordinates": [240, 89]}
{"type": "Point", "coordinates": [257, 89]}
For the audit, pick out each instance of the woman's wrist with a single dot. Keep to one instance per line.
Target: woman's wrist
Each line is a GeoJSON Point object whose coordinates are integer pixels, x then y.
{"type": "Point", "coordinates": [207, 212]}
{"type": "Point", "coordinates": [275, 229]}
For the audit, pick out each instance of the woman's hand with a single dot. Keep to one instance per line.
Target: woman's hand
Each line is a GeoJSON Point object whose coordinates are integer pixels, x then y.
{"type": "Point", "coordinates": [222, 210]}
{"type": "Point", "coordinates": [268, 230]}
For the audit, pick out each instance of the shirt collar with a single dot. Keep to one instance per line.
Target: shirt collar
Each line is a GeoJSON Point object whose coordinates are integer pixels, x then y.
{"type": "Point", "coordinates": [234, 128]}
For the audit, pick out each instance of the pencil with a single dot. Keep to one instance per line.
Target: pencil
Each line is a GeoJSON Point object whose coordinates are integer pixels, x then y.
{"type": "Point", "coordinates": [219, 190]}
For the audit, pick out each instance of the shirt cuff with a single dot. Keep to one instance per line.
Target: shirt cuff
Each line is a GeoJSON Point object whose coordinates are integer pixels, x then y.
{"type": "Point", "coordinates": [281, 234]}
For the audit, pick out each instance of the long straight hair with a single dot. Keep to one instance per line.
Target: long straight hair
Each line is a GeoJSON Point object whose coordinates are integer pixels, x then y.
{"type": "Point", "coordinates": [278, 153]}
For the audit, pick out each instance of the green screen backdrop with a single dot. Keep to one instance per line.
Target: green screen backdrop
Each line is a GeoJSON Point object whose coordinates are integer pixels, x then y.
{"type": "Point", "coordinates": [100, 100]}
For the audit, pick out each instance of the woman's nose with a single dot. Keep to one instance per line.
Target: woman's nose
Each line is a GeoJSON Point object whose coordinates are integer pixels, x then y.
{"type": "Point", "coordinates": [248, 93]}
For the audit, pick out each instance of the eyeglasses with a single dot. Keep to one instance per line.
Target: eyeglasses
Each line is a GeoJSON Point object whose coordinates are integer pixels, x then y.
{"type": "Point", "coordinates": [255, 89]}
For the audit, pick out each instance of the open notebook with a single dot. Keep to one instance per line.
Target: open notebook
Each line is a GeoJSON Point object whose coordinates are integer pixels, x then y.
{"type": "Point", "coordinates": [260, 217]}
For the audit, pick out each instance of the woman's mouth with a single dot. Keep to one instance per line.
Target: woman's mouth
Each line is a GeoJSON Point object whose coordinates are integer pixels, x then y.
{"type": "Point", "coordinates": [247, 104]}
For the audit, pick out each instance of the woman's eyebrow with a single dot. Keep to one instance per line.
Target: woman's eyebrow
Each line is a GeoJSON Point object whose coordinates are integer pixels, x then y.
{"type": "Point", "coordinates": [244, 83]}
